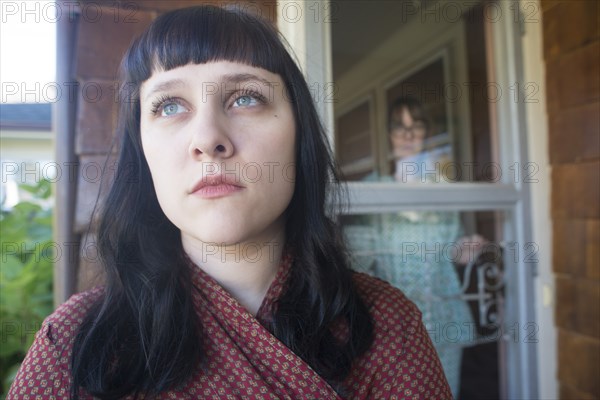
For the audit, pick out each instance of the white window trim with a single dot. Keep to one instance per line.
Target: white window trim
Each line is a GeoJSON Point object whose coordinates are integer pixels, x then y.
{"type": "Point", "coordinates": [305, 26]}
{"type": "Point", "coordinates": [537, 135]}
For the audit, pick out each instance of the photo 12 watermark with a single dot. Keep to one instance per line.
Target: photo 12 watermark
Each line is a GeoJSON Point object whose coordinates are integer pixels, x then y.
{"type": "Point", "coordinates": [94, 172]}
{"type": "Point", "coordinates": [291, 12]}
{"type": "Point", "coordinates": [464, 332]}
{"type": "Point", "coordinates": [37, 11]}
{"type": "Point", "coordinates": [97, 92]}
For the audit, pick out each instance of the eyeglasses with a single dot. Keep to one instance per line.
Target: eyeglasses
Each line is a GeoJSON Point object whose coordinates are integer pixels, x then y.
{"type": "Point", "coordinates": [417, 129]}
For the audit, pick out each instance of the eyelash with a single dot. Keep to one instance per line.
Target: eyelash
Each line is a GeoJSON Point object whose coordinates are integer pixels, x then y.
{"type": "Point", "coordinates": [247, 93]}
{"type": "Point", "coordinates": [158, 103]}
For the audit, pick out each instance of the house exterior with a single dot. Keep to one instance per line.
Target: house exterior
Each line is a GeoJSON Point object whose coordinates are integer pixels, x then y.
{"type": "Point", "coordinates": [513, 88]}
{"type": "Point", "coordinates": [26, 146]}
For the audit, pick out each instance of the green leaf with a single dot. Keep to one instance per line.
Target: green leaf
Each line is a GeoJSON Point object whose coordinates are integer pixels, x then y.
{"type": "Point", "coordinates": [26, 273]}
{"type": "Point", "coordinates": [10, 267]}
{"type": "Point", "coordinates": [11, 374]}
{"type": "Point", "coordinates": [41, 190]}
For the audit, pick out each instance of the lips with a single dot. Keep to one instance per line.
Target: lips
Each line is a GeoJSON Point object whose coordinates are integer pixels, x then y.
{"type": "Point", "coordinates": [215, 186]}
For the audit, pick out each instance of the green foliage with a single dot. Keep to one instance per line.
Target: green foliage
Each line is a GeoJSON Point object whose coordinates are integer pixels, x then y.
{"type": "Point", "coordinates": [26, 274]}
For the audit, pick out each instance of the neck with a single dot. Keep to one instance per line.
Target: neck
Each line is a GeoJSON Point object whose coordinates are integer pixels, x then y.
{"type": "Point", "coordinates": [245, 270]}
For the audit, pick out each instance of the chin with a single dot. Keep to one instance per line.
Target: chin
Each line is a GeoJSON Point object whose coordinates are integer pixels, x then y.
{"type": "Point", "coordinates": [220, 236]}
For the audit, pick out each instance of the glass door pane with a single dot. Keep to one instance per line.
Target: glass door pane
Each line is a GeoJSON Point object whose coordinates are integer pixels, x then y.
{"type": "Point", "coordinates": [454, 275]}
{"type": "Point", "coordinates": [423, 83]}
{"type": "Point", "coordinates": [418, 108]}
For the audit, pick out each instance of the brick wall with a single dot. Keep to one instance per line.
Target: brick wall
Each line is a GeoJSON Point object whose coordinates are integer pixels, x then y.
{"type": "Point", "coordinates": [572, 57]}
{"type": "Point", "coordinates": [105, 30]}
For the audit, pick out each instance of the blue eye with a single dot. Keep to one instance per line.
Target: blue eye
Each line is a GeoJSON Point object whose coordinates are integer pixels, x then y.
{"type": "Point", "coordinates": [171, 109]}
{"type": "Point", "coordinates": [245, 101]}
{"type": "Point", "coordinates": [167, 106]}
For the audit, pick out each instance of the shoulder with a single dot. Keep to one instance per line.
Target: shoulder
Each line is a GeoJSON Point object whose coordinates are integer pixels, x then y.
{"type": "Point", "coordinates": [397, 322]}
{"type": "Point", "coordinates": [402, 362]}
{"type": "Point", "coordinates": [63, 323]}
{"type": "Point", "coordinates": [59, 328]}
{"type": "Point", "coordinates": [45, 371]}
{"type": "Point", "coordinates": [389, 307]}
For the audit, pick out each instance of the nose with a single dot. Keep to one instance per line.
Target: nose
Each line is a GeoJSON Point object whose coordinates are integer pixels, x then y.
{"type": "Point", "coordinates": [404, 133]}
{"type": "Point", "coordinates": [409, 134]}
{"type": "Point", "coordinates": [210, 138]}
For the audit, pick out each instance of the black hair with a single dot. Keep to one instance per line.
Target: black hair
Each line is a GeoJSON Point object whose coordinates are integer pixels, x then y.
{"type": "Point", "coordinates": [142, 335]}
{"type": "Point", "coordinates": [415, 109]}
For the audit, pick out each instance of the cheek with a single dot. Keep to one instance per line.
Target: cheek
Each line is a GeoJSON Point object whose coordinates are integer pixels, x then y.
{"type": "Point", "coordinates": [278, 145]}
{"type": "Point", "coordinates": [151, 154]}
{"type": "Point", "coordinates": [162, 149]}
{"type": "Point", "coordinates": [162, 162]}
{"type": "Point", "coordinates": [396, 142]}
{"type": "Point", "coordinates": [283, 153]}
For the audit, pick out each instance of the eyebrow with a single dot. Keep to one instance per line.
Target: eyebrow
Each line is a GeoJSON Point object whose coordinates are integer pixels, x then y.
{"type": "Point", "coordinates": [166, 86]}
{"type": "Point", "coordinates": [229, 78]}
{"type": "Point", "coordinates": [241, 78]}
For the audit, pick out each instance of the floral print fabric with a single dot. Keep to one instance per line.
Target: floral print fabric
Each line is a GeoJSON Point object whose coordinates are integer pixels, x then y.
{"type": "Point", "coordinates": [245, 361]}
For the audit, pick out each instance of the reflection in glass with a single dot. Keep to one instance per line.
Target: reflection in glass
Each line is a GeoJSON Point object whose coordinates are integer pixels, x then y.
{"type": "Point", "coordinates": [455, 280]}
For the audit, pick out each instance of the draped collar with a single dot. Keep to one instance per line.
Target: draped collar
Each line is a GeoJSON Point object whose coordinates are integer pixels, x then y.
{"type": "Point", "coordinates": [217, 299]}
{"type": "Point", "coordinates": [241, 345]}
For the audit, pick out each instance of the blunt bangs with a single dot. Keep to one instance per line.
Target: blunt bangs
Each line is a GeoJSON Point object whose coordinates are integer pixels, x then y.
{"type": "Point", "coordinates": [203, 34]}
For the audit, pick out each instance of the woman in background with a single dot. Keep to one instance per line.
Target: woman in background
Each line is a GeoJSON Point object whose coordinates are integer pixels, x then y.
{"type": "Point", "coordinates": [415, 250]}
{"type": "Point", "coordinates": [225, 278]}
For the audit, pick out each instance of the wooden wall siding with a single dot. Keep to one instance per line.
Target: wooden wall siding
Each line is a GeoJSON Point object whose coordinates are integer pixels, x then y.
{"type": "Point", "coordinates": [101, 42]}
{"type": "Point", "coordinates": [96, 118]}
{"type": "Point", "coordinates": [104, 34]}
{"type": "Point", "coordinates": [572, 57]}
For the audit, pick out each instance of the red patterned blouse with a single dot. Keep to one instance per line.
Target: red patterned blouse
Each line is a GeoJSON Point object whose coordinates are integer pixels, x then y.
{"type": "Point", "coordinates": [247, 362]}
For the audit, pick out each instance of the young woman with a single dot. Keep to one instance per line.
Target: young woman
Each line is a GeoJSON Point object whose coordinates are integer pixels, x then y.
{"type": "Point", "coordinates": [224, 276]}
{"type": "Point", "coordinates": [413, 249]}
